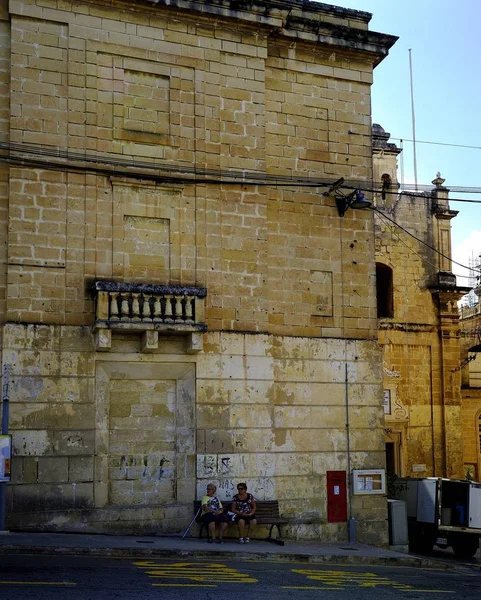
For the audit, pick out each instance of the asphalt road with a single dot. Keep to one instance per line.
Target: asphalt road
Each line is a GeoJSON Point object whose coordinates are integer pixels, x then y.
{"type": "Point", "coordinates": [41, 577]}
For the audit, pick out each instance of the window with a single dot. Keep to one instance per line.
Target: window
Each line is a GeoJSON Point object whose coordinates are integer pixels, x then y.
{"type": "Point", "coordinates": [384, 291]}
{"type": "Point", "coordinates": [386, 185]}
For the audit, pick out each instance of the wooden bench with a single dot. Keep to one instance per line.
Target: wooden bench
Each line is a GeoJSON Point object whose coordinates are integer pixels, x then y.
{"type": "Point", "coordinates": [267, 513]}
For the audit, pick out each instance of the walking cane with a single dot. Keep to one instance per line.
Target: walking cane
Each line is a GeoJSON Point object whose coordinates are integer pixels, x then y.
{"type": "Point", "coordinates": [191, 523]}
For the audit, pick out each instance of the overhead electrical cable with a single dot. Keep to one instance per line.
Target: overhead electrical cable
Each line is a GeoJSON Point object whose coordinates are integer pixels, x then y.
{"type": "Point", "coordinates": [423, 242]}
{"type": "Point", "coordinates": [436, 143]}
{"type": "Point", "coordinates": [34, 156]}
{"type": "Point", "coordinates": [75, 158]}
{"type": "Point", "coordinates": [420, 195]}
{"type": "Point", "coordinates": [423, 258]}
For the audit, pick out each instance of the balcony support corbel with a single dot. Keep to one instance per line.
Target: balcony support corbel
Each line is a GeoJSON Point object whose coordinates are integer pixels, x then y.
{"type": "Point", "coordinates": [195, 343]}
{"type": "Point", "coordinates": [150, 341]}
{"type": "Point", "coordinates": [103, 340]}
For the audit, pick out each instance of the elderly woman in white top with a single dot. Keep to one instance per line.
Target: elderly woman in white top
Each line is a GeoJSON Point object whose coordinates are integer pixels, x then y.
{"type": "Point", "coordinates": [213, 514]}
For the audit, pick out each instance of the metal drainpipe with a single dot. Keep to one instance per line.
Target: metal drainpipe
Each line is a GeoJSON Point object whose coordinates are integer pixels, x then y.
{"type": "Point", "coordinates": [352, 520]}
{"type": "Point", "coordinates": [5, 399]}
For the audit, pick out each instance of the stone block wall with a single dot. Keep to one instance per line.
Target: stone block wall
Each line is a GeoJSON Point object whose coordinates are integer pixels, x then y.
{"type": "Point", "coordinates": [271, 411]}
{"type": "Point", "coordinates": [145, 434]}
{"type": "Point", "coordinates": [471, 391]}
{"type": "Point", "coordinates": [471, 422]}
{"type": "Point", "coordinates": [135, 118]}
{"type": "Point", "coordinates": [5, 130]}
{"type": "Point", "coordinates": [226, 98]}
{"type": "Point", "coordinates": [414, 270]}
{"type": "Point", "coordinates": [420, 340]}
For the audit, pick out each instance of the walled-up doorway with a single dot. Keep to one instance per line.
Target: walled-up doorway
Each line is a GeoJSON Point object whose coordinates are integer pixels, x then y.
{"type": "Point", "coordinates": [393, 453]}
{"type": "Point", "coordinates": [390, 460]}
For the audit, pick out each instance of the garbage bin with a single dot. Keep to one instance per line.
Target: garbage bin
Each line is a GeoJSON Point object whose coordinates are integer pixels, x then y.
{"type": "Point", "coordinates": [460, 514]}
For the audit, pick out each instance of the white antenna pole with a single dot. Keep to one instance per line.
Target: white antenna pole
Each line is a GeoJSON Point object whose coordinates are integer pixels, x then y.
{"type": "Point", "coordinates": [413, 122]}
{"type": "Point", "coordinates": [402, 164]}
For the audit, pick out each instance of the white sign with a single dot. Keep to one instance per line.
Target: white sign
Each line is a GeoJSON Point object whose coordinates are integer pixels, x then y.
{"type": "Point", "coordinates": [419, 468]}
{"type": "Point", "coordinates": [387, 402]}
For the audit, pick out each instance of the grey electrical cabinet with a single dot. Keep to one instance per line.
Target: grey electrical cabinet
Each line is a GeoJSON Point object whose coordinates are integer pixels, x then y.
{"type": "Point", "coordinates": [398, 523]}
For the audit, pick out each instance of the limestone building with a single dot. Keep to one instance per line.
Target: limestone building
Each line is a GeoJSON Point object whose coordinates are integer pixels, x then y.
{"type": "Point", "coordinates": [181, 300]}
{"type": "Point", "coordinates": [419, 327]}
{"type": "Point", "coordinates": [470, 324]}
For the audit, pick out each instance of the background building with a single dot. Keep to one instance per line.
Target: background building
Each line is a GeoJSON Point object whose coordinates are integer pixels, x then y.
{"type": "Point", "coordinates": [182, 302]}
{"type": "Point", "coordinates": [470, 322]}
{"type": "Point", "coordinates": [418, 323]}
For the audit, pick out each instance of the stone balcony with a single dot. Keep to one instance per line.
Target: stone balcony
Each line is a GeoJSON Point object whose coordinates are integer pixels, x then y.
{"type": "Point", "coordinates": [465, 312]}
{"type": "Point", "coordinates": [148, 310]}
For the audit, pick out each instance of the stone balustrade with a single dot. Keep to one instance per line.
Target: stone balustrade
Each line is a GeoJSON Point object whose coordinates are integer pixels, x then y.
{"type": "Point", "coordinates": [147, 308]}
{"type": "Point", "coordinates": [469, 311]}
{"type": "Point", "coordinates": [165, 308]}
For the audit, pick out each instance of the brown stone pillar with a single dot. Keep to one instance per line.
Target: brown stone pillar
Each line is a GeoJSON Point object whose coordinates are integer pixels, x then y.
{"type": "Point", "coordinates": [450, 373]}
{"type": "Point", "coordinates": [446, 293]}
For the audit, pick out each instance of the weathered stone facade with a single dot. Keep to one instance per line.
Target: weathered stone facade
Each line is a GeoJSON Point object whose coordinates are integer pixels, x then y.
{"type": "Point", "coordinates": [182, 301]}
{"type": "Point", "coordinates": [470, 324]}
{"type": "Point", "coordinates": [418, 324]}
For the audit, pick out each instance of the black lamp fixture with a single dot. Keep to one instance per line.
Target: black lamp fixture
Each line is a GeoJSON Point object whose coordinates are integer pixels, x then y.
{"type": "Point", "coordinates": [355, 199]}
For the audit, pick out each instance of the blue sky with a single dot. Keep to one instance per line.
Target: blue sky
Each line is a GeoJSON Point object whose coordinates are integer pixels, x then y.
{"type": "Point", "coordinates": [445, 41]}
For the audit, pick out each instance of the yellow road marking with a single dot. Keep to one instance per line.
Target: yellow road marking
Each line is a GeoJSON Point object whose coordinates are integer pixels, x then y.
{"type": "Point", "coordinates": [168, 571]}
{"type": "Point", "coordinates": [413, 589]}
{"type": "Point", "coordinates": [36, 583]}
{"type": "Point", "coordinates": [154, 563]}
{"type": "Point", "coordinates": [336, 580]}
{"type": "Point", "coordinates": [207, 572]}
{"type": "Point", "coordinates": [339, 589]}
{"type": "Point", "coordinates": [183, 585]}
{"type": "Point", "coordinates": [310, 587]}
{"type": "Point", "coordinates": [348, 578]}
{"type": "Point", "coordinates": [216, 579]}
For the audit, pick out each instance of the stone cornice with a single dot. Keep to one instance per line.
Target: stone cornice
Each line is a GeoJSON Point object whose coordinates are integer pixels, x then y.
{"type": "Point", "coordinates": [410, 327]}
{"type": "Point", "coordinates": [444, 213]}
{"type": "Point", "coordinates": [147, 288]}
{"type": "Point", "coordinates": [309, 21]}
{"type": "Point", "coordinates": [268, 9]}
{"type": "Point", "coordinates": [451, 294]}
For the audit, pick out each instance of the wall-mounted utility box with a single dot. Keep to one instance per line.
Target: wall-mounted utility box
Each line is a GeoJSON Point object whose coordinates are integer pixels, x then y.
{"type": "Point", "coordinates": [336, 496]}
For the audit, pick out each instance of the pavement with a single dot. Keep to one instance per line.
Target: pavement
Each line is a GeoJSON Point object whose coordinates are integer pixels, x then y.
{"type": "Point", "coordinates": [193, 547]}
